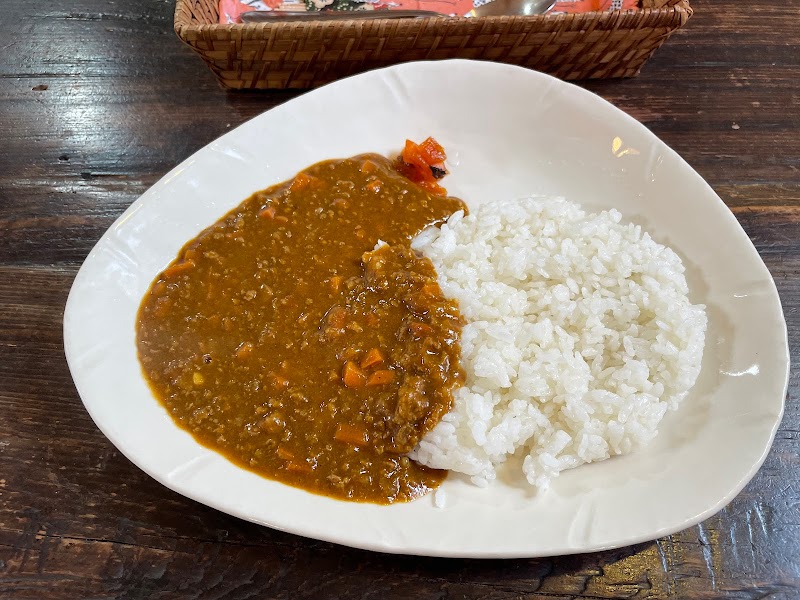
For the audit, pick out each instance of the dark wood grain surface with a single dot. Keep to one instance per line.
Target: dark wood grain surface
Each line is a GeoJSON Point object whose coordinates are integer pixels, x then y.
{"type": "Point", "coordinates": [98, 99]}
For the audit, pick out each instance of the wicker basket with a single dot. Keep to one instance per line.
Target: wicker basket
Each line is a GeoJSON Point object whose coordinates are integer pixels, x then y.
{"type": "Point", "coordinates": [307, 54]}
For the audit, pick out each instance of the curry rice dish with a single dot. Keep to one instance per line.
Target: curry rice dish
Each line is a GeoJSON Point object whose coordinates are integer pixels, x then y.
{"type": "Point", "coordinates": [302, 337]}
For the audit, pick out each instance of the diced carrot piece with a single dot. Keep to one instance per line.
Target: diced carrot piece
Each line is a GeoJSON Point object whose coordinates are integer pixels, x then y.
{"type": "Point", "coordinates": [279, 381]}
{"type": "Point", "coordinates": [352, 376]}
{"type": "Point", "coordinates": [369, 167]}
{"type": "Point", "coordinates": [374, 185]}
{"type": "Point", "coordinates": [432, 151]}
{"type": "Point", "coordinates": [267, 213]}
{"type": "Point", "coordinates": [372, 358]}
{"type": "Point", "coordinates": [372, 320]}
{"type": "Point", "coordinates": [284, 454]}
{"type": "Point", "coordinates": [412, 155]}
{"type": "Point", "coordinates": [178, 268]}
{"type": "Point", "coordinates": [336, 282]}
{"type": "Point", "coordinates": [426, 154]}
{"type": "Point", "coordinates": [336, 317]}
{"type": "Point", "coordinates": [416, 162]}
{"type": "Point", "coordinates": [381, 377]}
{"type": "Point", "coordinates": [281, 219]}
{"type": "Point", "coordinates": [351, 434]}
{"type": "Point", "coordinates": [303, 181]}
{"type": "Point", "coordinates": [299, 467]}
{"type": "Point", "coordinates": [300, 182]}
{"type": "Point", "coordinates": [244, 350]}
{"type": "Point", "coordinates": [430, 289]}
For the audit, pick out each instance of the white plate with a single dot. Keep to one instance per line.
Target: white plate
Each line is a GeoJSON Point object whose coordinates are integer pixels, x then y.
{"type": "Point", "coordinates": [508, 132]}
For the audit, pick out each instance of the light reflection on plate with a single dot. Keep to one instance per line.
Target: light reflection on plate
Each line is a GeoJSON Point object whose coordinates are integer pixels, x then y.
{"type": "Point", "coordinates": [509, 132]}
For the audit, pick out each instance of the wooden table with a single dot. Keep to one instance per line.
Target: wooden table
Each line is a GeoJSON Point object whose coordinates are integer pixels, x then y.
{"type": "Point", "coordinates": [98, 99]}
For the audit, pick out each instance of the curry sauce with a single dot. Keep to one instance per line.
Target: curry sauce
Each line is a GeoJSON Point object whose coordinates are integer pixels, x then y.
{"type": "Point", "coordinates": [283, 338]}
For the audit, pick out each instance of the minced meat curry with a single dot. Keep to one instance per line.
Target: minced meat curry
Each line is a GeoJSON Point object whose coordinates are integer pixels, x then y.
{"type": "Point", "coordinates": [283, 338]}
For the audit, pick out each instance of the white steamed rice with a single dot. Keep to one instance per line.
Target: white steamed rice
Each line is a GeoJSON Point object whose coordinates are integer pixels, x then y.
{"type": "Point", "coordinates": [579, 337]}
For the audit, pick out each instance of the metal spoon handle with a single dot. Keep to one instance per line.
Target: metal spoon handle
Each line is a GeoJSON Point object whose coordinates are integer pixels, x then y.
{"type": "Point", "coordinates": [263, 16]}
{"type": "Point", "coordinates": [507, 8]}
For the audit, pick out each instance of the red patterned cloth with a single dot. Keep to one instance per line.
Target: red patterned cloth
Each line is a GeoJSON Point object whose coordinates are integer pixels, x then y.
{"type": "Point", "coordinates": [230, 11]}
